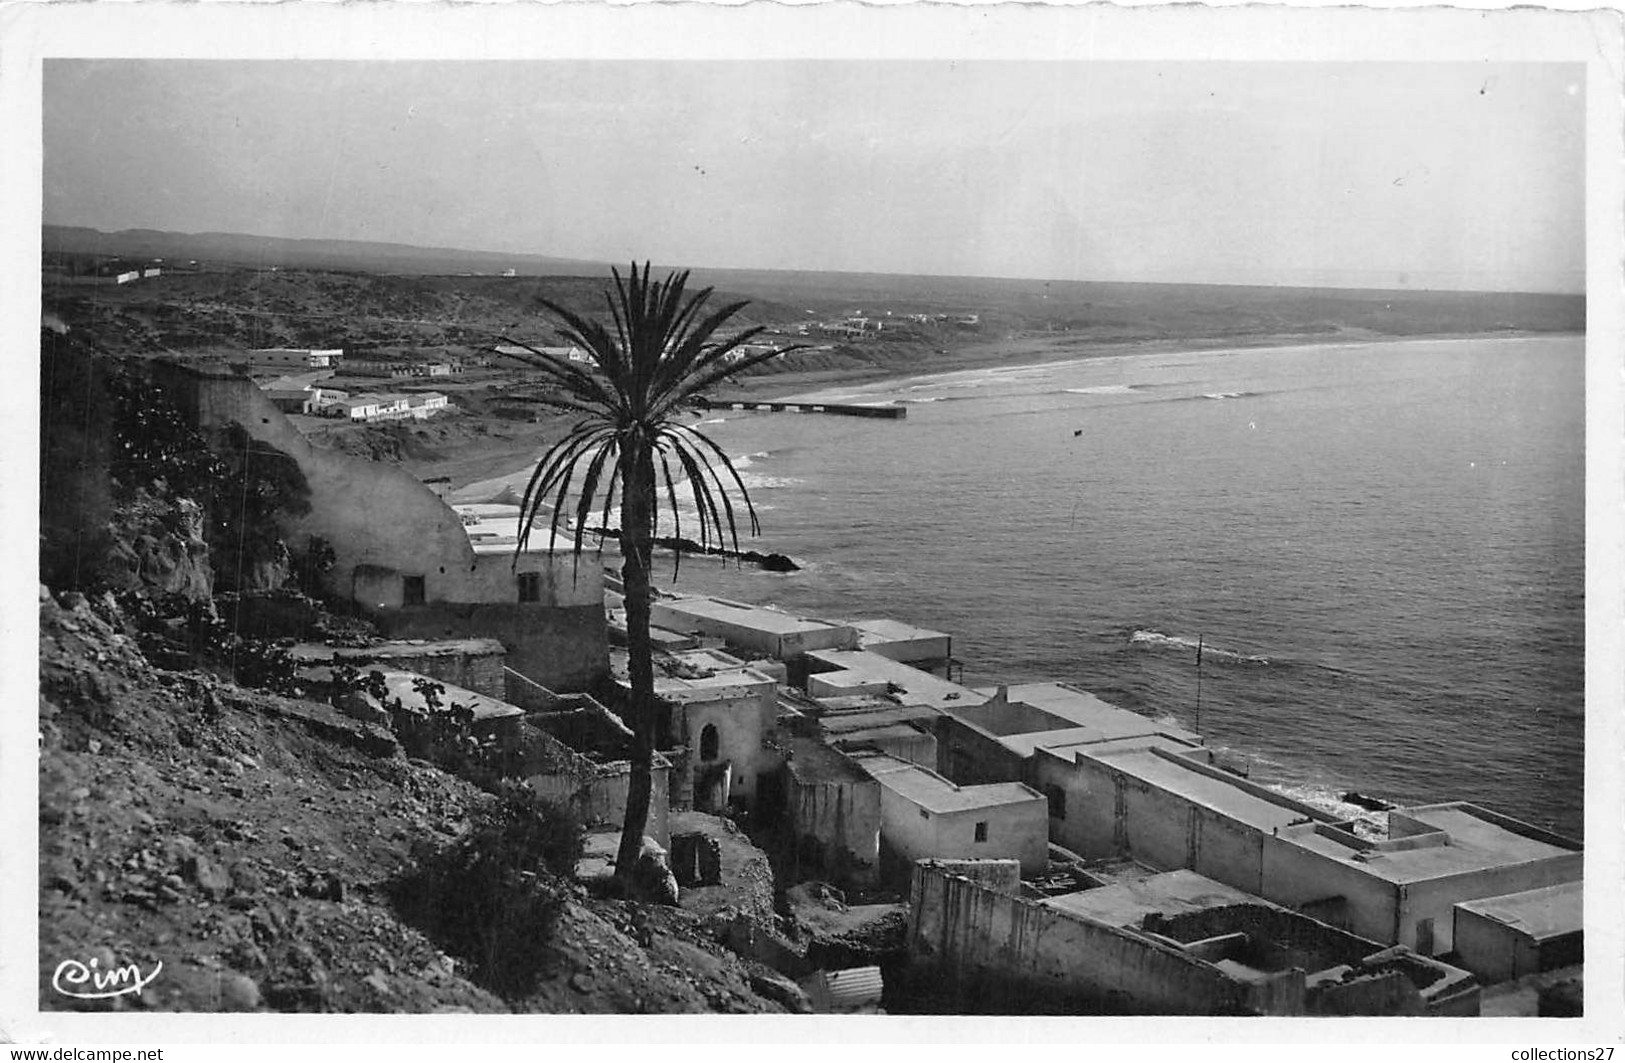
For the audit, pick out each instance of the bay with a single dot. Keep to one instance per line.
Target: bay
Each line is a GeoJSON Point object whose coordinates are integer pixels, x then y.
{"type": "Point", "coordinates": [1381, 546]}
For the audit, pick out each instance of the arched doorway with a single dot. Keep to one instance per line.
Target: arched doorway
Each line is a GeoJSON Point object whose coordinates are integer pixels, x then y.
{"type": "Point", "coordinates": [709, 741]}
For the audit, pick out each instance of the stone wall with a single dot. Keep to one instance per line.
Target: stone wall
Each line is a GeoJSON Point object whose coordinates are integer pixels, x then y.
{"type": "Point", "coordinates": [564, 648]}
{"type": "Point", "coordinates": [842, 819]}
{"type": "Point", "coordinates": [959, 930]}
{"type": "Point", "coordinates": [598, 793]}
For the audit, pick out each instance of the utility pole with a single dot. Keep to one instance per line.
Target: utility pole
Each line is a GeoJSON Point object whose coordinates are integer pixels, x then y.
{"type": "Point", "coordinates": [1200, 737]}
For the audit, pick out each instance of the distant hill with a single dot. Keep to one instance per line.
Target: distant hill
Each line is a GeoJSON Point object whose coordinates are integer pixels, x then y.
{"type": "Point", "coordinates": [238, 249]}
{"type": "Point", "coordinates": [1085, 311]}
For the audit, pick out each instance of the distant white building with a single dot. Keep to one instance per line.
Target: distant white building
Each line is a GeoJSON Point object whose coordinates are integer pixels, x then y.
{"type": "Point", "coordinates": [425, 405]}
{"type": "Point", "coordinates": [289, 357]}
{"type": "Point", "coordinates": [573, 354]}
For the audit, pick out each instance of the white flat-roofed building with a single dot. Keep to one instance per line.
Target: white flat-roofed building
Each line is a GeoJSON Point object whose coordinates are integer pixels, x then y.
{"type": "Point", "coordinates": [1155, 799]}
{"type": "Point", "coordinates": [995, 738]}
{"type": "Point", "coordinates": [921, 647]}
{"type": "Point", "coordinates": [924, 816]}
{"type": "Point", "coordinates": [842, 673]}
{"type": "Point", "coordinates": [567, 354]}
{"type": "Point", "coordinates": [1404, 888]}
{"type": "Point", "coordinates": [293, 357]}
{"type": "Point", "coordinates": [720, 714]}
{"type": "Point", "coordinates": [768, 632]}
{"type": "Point", "coordinates": [1517, 934]}
{"type": "Point", "coordinates": [425, 404]}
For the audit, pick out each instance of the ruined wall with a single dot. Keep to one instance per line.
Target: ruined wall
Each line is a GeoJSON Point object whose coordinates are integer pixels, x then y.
{"type": "Point", "coordinates": [598, 793]}
{"type": "Point", "coordinates": [961, 931]}
{"type": "Point", "coordinates": [1289, 939]}
{"type": "Point", "coordinates": [1000, 876]}
{"type": "Point", "coordinates": [844, 817]}
{"type": "Point", "coordinates": [1388, 993]}
{"type": "Point", "coordinates": [564, 649]}
{"type": "Point", "coordinates": [479, 671]}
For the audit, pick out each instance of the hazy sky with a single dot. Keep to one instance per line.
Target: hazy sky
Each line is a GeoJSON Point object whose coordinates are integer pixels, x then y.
{"type": "Point", "coordinates": [1371, 174]}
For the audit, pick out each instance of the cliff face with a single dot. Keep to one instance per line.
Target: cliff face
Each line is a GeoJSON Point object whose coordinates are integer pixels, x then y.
{"type": "Point", "coordinates": [157, 547]}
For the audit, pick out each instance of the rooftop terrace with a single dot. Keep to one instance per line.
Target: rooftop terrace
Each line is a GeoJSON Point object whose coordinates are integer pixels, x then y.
{"type": "Point", "coordinates": [934, 793]}
{"type": "Point", "coordinates": [1544, 913]}
{"type": "Point", "coordinates": [402, 686]}
{"type": "Point", "coordinates": [1159, 763]}
{"type": "Point", "coordinates": [859, 671]}
{"type": "Point", "coordinates": [706, 677]}
{"type": "Point", "coordinates": [811, 761]}
{"type": "Point", "coordinates": [757, 618]}
{"type": "Point", "coordinates": [493, 528]}
{"type": "Point", "coordinates": [1432, 841]}
{"type": "Point", "coordinates": [1127, 903]}
{"type": "Point", "coordinates": [1057, 707]}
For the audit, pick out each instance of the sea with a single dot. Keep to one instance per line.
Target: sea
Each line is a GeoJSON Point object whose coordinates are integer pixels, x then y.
{"type": "Point", "coordinates": [1379, 548]}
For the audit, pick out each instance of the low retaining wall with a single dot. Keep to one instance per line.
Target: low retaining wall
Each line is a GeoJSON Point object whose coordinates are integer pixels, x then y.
{"type": "Point", "coordinates": [1005, 948]}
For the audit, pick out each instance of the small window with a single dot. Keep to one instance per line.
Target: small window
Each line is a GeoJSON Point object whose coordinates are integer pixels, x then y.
{"type": "Point", "coordinates": [412, 592]}
{"type": "Point", "coordinates": [1057, 801]}
{"type": "Point", "coordinates": [981, 831]}
{"type": "Point", "coordinates": [530, 586]}
{"type": "Point", "coordinates": [709, 742]}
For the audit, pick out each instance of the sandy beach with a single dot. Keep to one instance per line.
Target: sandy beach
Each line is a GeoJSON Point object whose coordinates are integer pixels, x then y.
{"type": "Point", "coordinates": [498, 468]}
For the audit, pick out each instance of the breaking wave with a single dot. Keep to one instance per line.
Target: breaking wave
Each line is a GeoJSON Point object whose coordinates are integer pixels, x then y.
{"type": "Point", "coordinates": [1156, 638]}
{"type": "Point", "coordinates": [1104, 389]}
{"type": "Point", "coordinates": [1329, 799]}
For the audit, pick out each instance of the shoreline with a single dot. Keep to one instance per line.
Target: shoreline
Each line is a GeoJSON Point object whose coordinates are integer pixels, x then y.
{"type": "Point", "coordinates": [494, 470]}
{"type": "Point", "coordinates": [1030, 352]}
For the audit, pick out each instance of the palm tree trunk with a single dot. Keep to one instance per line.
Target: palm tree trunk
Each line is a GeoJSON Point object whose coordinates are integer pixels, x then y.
{"type": "Point", "coordinates": [637, 548]}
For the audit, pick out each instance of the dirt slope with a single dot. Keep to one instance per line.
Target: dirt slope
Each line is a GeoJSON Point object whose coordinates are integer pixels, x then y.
{"type": "Point", "coordinates": [246, 842]}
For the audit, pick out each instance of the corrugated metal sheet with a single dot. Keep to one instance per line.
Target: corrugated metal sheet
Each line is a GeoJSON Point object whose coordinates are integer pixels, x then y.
{"type": "Point", "coordinates": [854, 989]}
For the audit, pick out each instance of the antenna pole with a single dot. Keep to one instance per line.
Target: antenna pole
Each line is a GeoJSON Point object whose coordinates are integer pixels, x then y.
{"type": "Point", "coordinates": [1199, 735]}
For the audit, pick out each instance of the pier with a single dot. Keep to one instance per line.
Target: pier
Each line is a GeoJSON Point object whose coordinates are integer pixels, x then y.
{"type": "Point", "coordinates": [895, 413]}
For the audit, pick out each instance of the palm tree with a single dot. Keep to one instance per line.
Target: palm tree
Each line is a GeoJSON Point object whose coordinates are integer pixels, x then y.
{"type": "Point", "coordinates": [631, 441]}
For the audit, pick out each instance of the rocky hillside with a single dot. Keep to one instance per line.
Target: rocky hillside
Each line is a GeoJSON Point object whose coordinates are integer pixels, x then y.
{"type": "Point", "coordinates": [263, 850]}
{"type": "Point", "coordinates": [271, 852]}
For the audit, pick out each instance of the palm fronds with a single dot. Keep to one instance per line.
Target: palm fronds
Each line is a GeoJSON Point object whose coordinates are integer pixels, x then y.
{"type": "Point", "coordinates": [660, 353]}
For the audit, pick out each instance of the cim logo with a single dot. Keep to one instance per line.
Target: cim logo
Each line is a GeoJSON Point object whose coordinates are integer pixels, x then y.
{"type": "Point", "coordinates": [91, 981]}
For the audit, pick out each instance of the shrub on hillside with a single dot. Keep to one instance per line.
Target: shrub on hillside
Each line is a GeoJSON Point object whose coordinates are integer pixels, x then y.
{"type": "Point", "coordinates": [493, 898]}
